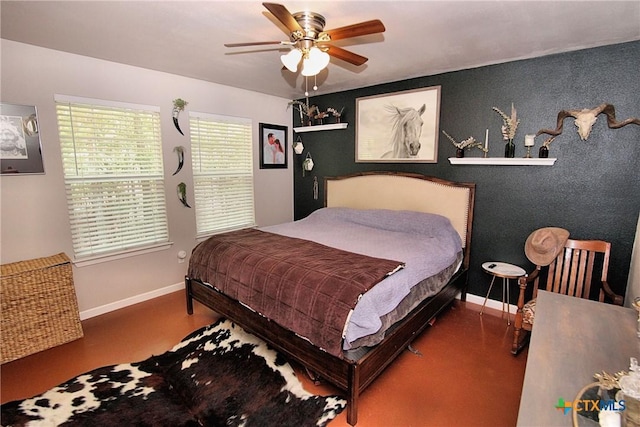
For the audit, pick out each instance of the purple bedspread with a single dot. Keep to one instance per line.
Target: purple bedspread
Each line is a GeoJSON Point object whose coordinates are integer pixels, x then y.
{"type": "Point", "coordinates": [302, 285]}
{"type": "Point", "coordinates": [426, 243]}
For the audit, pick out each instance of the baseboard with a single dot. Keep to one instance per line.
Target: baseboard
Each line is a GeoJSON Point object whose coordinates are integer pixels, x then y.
{"type": "Point", "coordinates": [491, 303]}
{"type": "Point", "coordinates": [93, 312]}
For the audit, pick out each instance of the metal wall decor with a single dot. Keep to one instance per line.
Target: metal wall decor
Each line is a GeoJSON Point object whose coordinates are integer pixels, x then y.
{"type": "Point", "coordinates": [20, 150]}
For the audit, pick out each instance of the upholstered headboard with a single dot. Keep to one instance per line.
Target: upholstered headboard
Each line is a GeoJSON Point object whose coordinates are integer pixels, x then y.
{"type": "Point", "coordinates": [403, 191]}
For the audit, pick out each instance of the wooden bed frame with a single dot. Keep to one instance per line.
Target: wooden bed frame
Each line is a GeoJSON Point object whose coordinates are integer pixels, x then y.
{"type": "Point", "coordinates": [389, 190]}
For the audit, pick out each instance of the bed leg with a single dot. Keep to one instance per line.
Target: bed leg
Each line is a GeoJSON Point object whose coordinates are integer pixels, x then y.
{"type": "Point", "coordinates": [463, 291]}
{"type": "Point", "coordinates": [187, 288]}
{"type": "Point", "coordinates": [352, 401]}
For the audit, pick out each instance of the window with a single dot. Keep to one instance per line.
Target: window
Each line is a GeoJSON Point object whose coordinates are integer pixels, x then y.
{"type": "Point", "coordinates": [113, 173]}
{"type": "Point", "coordinates": [222, 159]}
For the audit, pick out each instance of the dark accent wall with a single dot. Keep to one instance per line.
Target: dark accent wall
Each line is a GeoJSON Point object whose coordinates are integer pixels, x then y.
{"type": "Point", "coordinates": [593, 190]}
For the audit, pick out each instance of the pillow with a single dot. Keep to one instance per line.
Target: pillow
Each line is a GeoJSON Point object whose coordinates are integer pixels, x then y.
{"type": "Point", "coordinates": [403, 221]}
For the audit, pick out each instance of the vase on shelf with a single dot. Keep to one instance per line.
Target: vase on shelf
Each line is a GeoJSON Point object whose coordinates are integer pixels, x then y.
{"type": "Point", "coordinates": [543, 153]}
{"type": "Point", "coordinates": [509, 149]}
{"type": "Point", "coordinates": [459, 153]}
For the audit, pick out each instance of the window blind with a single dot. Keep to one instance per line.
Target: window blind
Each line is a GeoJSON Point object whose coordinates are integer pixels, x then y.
{"type": "Point", "coordinates": [222, 160]}
{"type": "Point", "coordinates": [114, 178]}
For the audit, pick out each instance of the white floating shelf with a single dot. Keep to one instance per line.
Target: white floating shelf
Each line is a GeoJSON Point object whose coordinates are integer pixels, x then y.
{"type": "Point", "coordinates": [502, 161]}
{"type": "Point", "coordinates": [315, 128]}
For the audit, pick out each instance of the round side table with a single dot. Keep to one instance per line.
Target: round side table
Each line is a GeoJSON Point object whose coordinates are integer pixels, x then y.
{"type": "Point", "coordinates": [506, 272]}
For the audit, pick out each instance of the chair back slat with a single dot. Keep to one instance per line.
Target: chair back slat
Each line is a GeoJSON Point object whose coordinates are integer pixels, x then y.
{"type": "Point", "coordinates": [605, 266]}
{"type": "Point", "coordinates": [576, 282]}
{"type": "Point", "coordinates": [553, 278]}
{"type": "Point", "coordinates": [588, 274]}
{"type": "Point", "coordinates": [572, 272]}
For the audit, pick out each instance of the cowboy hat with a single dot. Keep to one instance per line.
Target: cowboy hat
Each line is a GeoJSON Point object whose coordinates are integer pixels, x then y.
{"type": "Point", "coordinates": [544, 244]}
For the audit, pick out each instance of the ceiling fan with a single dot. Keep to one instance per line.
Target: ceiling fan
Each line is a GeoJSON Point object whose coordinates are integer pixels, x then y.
{"type": "Point", "coordinates": [311, 43]}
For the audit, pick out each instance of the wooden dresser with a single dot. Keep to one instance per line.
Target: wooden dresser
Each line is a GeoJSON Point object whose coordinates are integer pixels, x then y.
{"type": "Point", "coordinates": [572, 339]}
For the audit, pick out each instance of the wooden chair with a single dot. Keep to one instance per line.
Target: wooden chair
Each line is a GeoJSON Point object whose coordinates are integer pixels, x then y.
{"type": "Point", "coordinates": [571, 273]}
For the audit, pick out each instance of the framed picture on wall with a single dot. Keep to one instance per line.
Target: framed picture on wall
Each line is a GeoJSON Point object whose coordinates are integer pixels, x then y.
{"type": "Point", "coordinates": [20, 151]}
{"type": "Point", "coordinates": [272, 144]}
{"type": "Point", "coordinates": [399, 127]}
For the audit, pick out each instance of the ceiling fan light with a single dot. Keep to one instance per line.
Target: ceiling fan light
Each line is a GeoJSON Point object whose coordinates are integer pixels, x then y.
{"type": "Point", "coordinates": [314, 62]}
{"type": "Point", "coordinates": [320, 58]}
{"type": "Point", "coordinates": [308, 69]}
{"type": "Point", "coordinates": [291, 59]}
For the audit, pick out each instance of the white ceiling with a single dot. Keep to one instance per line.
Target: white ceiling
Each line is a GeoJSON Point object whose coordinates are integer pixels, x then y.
{"type": "Point", "coordinates": [422, 37]}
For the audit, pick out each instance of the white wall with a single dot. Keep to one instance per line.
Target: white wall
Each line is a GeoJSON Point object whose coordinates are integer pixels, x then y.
{"type": "Point", "coordinates": [34, 221]}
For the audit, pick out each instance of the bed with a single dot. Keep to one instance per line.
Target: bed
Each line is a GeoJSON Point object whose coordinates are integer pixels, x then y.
{"type": "Point", "coordinates": [358, 361]}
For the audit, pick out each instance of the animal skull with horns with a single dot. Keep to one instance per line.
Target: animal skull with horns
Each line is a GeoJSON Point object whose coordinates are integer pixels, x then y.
{"type": "Point", "coordinates": [585, 119]}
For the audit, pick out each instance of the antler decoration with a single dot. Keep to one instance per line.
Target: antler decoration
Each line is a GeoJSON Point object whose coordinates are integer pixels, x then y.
{"type": "Point", "coordinates": [178, 105]}
{"type": "Point", "coordinates": [585, 118]}
{"type": "Point", "coordinates": [610, 111]}
{"type": "Point", "coordinates": [182, 194]}
{"type": "Point", "coordinates": [180, 150]}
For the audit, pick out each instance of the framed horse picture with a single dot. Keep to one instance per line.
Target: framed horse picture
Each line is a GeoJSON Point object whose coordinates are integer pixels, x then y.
{"type": "Point", "coordinates": [399, 127]}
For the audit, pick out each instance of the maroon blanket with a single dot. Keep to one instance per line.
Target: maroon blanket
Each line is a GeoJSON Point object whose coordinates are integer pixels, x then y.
{"type": "Point", "coordinates": [304, 286]}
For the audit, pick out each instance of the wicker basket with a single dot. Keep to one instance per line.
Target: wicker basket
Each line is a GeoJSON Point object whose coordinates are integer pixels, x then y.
{"type": "Point", "coordinates": [39, 306]}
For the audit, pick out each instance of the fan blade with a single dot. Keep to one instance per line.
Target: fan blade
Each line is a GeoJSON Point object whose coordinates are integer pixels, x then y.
{"type": "Point", "coordinates": [251, 44]}
{"type": "Point", "coordinates": [284, 16]}
{"type": "Point", "coordinates": [362, 29]}
{"type": "Point", "coordinates": [345, 55]}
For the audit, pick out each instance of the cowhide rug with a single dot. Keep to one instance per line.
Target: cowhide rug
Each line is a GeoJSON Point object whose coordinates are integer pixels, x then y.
{"type": "Point", "coordinates": [217, 376]}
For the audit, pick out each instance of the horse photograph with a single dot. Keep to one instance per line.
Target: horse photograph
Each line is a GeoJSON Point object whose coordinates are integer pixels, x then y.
{"type": "Point", "coordinates": [398, 127]}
